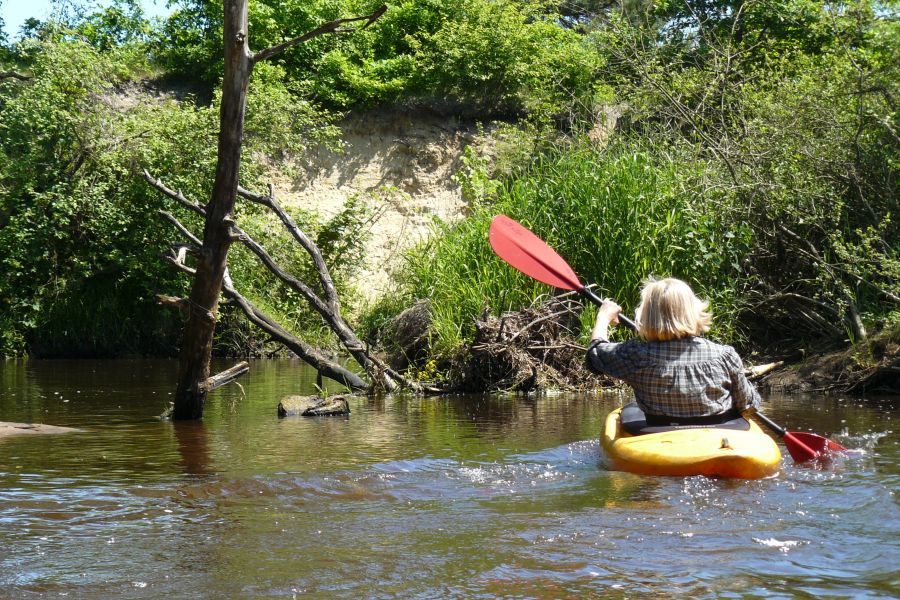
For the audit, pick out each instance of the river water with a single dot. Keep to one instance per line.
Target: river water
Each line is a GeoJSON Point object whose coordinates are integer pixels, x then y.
{"type": "Point", "coordinates": [458, 497]}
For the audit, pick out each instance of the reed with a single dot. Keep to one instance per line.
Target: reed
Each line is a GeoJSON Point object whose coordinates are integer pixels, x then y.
{"type": "Point", "coordinates": [618, 215]}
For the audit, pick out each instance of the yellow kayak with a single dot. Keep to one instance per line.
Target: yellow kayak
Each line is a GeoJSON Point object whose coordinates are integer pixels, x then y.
{"type": "Point", "coordinates": [742, 453]}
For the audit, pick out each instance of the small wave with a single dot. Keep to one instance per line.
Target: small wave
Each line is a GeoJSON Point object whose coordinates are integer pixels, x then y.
{"type": "Point", "coordinates": [784, 546]}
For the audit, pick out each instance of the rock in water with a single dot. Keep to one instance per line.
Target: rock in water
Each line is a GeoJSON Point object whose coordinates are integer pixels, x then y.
{"type": "Point", "coordinates": [313, 406]}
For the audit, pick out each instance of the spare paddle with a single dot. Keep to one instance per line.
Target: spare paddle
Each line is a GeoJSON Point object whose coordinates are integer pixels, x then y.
{"type": "Point", "coordinates": [528, 253]}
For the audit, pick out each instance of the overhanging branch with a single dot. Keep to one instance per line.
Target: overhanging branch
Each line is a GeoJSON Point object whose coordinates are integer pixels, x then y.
{"type": "Point", "coordinates": [13, 75]}
{"type": "Point", "coordinates": [324, 29]}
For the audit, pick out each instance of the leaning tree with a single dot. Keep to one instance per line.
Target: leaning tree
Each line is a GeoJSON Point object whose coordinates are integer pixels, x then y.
{"type": "Point", "coordinates": [210, 273]}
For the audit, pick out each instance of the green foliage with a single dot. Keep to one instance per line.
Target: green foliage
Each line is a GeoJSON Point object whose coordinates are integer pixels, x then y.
{"type": "Point", "coordinates": [800, 124]}
{"type": "Point", "coordinates": [617, 215]}
{"type": "Point", "coordinates": [75, 210]}
{"type": "Point", "coordinates": [118, 25]}
{"type": "Point", "coordinates": [480, 56]}
{"type": "Point", "coordinates": [280, 122]}
{"type": "Point", "coordinates": [189, 43]}
{"type": "Point", "coordinates": [80, 232]}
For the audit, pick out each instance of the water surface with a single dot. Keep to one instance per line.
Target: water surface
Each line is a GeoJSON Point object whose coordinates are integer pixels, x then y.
{"type": "Point", "coordinates": [459, 497]}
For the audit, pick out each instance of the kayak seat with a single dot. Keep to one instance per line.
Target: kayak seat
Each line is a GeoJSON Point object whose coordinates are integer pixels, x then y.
{"type": "Point", "coordinates": [634, 421]}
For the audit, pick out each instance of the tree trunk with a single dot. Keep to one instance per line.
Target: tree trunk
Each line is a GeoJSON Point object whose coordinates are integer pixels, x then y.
{"type": "Point", "coordinates": [196, 348]}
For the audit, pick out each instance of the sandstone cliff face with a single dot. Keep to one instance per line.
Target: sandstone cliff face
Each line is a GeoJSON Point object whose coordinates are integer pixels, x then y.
{"type": "Point", "coordinates": [412, 158]}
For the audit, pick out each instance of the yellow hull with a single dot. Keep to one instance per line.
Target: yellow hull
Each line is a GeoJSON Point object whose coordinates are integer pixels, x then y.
{"type": "Point", "coordinates": [702, 451]}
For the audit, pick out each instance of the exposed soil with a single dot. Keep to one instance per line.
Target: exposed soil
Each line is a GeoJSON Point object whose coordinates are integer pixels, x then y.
{"type": "Point", "coordinates": [411, 158]}
{"type": "Point", "coordinates": [873, 368]}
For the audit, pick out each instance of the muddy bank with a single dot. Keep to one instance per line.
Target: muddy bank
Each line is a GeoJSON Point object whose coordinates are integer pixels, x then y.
{"type": "Point", "coordinates": [866, 369]}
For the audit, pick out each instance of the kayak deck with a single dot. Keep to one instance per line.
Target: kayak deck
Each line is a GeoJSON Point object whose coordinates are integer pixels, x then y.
{"type": "Point", "coordinates": [709, 451]}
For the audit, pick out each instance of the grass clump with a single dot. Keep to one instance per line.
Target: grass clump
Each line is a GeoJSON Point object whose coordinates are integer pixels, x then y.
{"type": "Point", "coordinates": [617, 215]}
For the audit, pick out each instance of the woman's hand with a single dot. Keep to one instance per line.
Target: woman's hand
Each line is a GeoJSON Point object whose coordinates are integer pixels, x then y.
{"type": "Point", "coordinates": [607, 314]}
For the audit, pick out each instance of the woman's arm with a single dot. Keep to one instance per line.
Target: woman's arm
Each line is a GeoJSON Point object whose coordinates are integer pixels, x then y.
{"type": "Point", "coordinates": [607, 314]}
{"type": "Point", "coordinates": [743, 393]}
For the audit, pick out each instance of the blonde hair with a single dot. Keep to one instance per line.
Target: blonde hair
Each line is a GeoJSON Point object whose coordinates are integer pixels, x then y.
{"type": "Point", "coordinates": [669, 310]}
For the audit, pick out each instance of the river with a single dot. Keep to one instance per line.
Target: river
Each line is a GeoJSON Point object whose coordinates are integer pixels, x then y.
{"type": "Point", "coordinates": [456, 497]}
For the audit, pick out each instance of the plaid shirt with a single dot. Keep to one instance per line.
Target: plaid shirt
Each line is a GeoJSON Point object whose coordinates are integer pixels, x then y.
{"type": "Point", "coordinates": [687, 377]}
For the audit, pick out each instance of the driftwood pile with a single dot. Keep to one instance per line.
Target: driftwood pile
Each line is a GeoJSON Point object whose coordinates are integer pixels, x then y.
{"type": "Point", "coordinates": [534, 349]}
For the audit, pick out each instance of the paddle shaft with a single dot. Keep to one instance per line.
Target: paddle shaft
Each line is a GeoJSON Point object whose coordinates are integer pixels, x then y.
{"type": "Point", "coordinates": [770, 424]}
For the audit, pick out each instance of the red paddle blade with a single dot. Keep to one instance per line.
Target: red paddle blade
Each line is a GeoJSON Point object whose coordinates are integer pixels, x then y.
{"type": "Point", "coordinates": [807, 446]}
{"type": "Point", "coordinates": [530, 254]}
{"type": "Point", "coordinates": [818, 443]}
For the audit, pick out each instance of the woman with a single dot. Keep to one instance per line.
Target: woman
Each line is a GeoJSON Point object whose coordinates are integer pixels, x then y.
{"type": "Point", "coordinates": [677, 376]}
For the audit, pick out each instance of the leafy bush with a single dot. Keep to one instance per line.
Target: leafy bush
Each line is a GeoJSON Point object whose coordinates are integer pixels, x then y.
{"type": "Point", "coordinates": [800, 124]}
{"type": "Point", "coordinates": [75, 209]}
{"type": "Point", "coordinates": [81, 240]}
{"type": "Point", "coordinates": [476, 56]}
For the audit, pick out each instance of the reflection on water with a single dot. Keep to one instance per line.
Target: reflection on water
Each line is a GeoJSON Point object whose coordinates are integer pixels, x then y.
{"type": "Point", "coordinates": [434, 498]}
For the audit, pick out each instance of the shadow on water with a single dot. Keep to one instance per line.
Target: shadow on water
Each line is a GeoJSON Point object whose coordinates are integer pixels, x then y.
{"type": "Point", "coordinates": [455, 497]}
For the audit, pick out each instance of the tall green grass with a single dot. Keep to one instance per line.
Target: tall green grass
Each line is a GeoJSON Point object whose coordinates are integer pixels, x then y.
{"type": "Point", "coordinates": [618, 215]}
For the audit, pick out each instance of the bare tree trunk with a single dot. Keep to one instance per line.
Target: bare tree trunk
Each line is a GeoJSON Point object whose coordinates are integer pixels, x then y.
{"type": "Point", "coordinates": [219, 230]}
{"type": "Point", "coordinates": [196, 348]}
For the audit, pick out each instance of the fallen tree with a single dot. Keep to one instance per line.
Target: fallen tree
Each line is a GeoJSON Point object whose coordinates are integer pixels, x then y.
{"type": "Point", "coordinates": [327, 305]}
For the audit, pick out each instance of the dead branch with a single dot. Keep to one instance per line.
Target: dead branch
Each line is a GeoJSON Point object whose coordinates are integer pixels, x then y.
{"type": "Point", "coordinates": [354, 346]}
{"type": "Point", "coordinates": [760, 370]}
{"type": "Point", "coordinates": [305, 352]}
{"type": "Point", "coordinates": [540, 319]}
{"type": "Point", "coordinates": [182, 229]}
{"type": "Point", "coordinates": [13, 75]}
{"type": "Point", "coordinates": [175, 195]}
{"type": "Point", "coordinates": [336, 26]}
{"type": "Point", "coordinates": [539, 351]}
{"type": "Point", "coordinates": [331, 296]}
{"type": "Point", "coordinates": [226, 376]}
{"type": "Point", "coordinates": [380, 373]}
{"type": "Point", "coordinates": [180, 303]}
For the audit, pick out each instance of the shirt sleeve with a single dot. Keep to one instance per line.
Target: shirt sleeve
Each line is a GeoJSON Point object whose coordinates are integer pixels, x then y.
{"type": "Point", "coordinates": [610, 358]}
{"type": "Point", "coordinates": [743, 393]}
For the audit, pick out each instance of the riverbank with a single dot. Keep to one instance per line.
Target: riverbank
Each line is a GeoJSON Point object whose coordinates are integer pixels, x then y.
{"type": "Point", "coordinates": [872, 367]}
